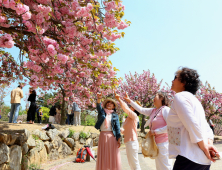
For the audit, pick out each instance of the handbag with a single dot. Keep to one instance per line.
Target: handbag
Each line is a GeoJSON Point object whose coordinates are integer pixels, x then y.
{"type": "Point", "coordinates": [149, 146]}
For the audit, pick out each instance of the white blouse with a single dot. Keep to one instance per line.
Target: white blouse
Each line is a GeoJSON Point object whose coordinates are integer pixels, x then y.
{"type": "Point", "coordinates": [187, 125]}
{"type": "Point", "coordinates": [103, 128]}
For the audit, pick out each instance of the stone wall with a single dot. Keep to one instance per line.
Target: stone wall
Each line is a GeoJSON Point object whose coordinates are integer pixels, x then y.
{"type": "Point", "coordinates": [21, 149]}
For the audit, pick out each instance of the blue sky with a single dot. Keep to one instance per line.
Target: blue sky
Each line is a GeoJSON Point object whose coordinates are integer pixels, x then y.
{"type": "Point", "coordinates": [165, 35]}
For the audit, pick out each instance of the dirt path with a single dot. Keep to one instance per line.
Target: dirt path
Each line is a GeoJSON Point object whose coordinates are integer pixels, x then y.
{"type": "Point", "coordinates": [31, 127]}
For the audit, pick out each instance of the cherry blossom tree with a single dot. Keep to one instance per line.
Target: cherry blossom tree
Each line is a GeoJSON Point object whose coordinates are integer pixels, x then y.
{"type": "Point", "coordinates": [211, 101]}
{"type": "Point", "coordinates": [142, 87]}
{"type": "Point", "coordinates": [64, 45]}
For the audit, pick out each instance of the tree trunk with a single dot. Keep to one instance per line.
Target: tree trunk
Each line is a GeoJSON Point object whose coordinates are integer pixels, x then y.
{"type": "Point", "coordinates": [142, 124]}
{"type": "Point", "coordinates": [63, 113]}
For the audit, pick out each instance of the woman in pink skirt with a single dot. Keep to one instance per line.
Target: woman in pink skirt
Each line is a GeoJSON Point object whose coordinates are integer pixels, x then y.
{"type": "Point", "coordinates": [108, 154]}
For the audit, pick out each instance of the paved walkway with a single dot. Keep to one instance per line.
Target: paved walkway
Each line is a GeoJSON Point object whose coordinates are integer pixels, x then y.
{"type": "Point", "coordinates": [145, 163]}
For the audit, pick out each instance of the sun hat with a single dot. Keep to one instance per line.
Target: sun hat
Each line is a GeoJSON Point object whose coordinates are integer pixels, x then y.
{"type": "Point", "coordinates": [109, 100]}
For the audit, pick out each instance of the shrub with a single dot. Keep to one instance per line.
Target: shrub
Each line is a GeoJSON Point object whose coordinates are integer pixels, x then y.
{"type": "Point", "coordinates": [45, 111]}
{"type": "Point", "coordinates": [71, 132]}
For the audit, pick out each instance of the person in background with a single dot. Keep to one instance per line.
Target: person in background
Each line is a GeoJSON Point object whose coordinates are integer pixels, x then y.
{"type": "Point", "coordinates": [16, 96]}
{"type": "Point", "coordinates": [77, 114]}
{"type": "Point", "coordinates": [52, 114]}
{"type": "Point", "coordinates": [211, 125]}
{"type": "Point", "coordinates": [32, 108]}
{"type": "Point", "coordinates": [37, 112]}
{"type": "Point", "coordinates": [190, 137]}
{"type": "Point", "coordinates": [58, 115]}
{"type": "Point", "coordinates": [40, 115]}
{"type": "Point", "coordinates": [130, 134]}
{"type": "Point", "coordinates": [70, 115]}
{"type": "Point", "coordinates": [108, 153]}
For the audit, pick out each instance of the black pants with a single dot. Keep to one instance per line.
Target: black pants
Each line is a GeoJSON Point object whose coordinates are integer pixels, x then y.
{"type": "Point", "coordinates": [31, 112]}
{"type": "Point", "coordinates": [183, 163]}
{"type": "Point", "coordinates": [39, 119]}
{"type": "Point", "coordinates": [70, 119]}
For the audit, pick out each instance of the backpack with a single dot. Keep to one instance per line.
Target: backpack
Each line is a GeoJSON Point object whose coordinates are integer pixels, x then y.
{"type": "Point", "coordinates": [81, 155]}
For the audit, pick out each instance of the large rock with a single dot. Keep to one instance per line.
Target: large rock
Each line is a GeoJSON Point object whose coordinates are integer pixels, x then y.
{"type": "Point", "coordinates": [78, 145]}
{"type": "Point", "coordinates": [48, 146]}
{"type": "Point", "coordinates": [89, 142]}
{"type": "Point", "coordinates": [82, 141]}
{"type": "Point", "coordinates": [57, 142]}
{"type": "Point", "coordinates": [88, 135]}
{"type": "Point", "coordinates": [70, 142]}
{"type": "Point", "coordinates": [54, 154]}
{"type": "Point", "coordinates": [65, 133]}
{"type": "Point", "coordinates": [43, 155]}
{"type": "Point", "coordinates": [4, 153]}
{"type": "Point", "coordinates": [20, 140]}
{"type": "Point", "coordinates": [25, 149]}
{"type": "Point", "coordinates": [25, 162]}
{"type": "Point", "coordinates": [31, 142]}
{"type": "Point", "coordinates": [15, 157]}
{"type": "Point", "coordinates": [34, 157]}
{"type": "Point", "coordinates": [39, 145]}
{"type": "Point", "coordinates": [41, 135]}
{"type": "Point", "coordinates": [52, 133]}
{"type": "Point", "coordinates": [26, 134]}
{"type": "Point", "coordinates": [96, 141]}
{"type": "Point", "coordinates": [94, 135]}
{"type": "Point", "coordinates": [8, 139]}
{"type": "Point", "coordinates": [75, 136]}
{"type": "Point", "coordinates": [64, 150]}
{"type": "Point", "coordinates": [4, 167]}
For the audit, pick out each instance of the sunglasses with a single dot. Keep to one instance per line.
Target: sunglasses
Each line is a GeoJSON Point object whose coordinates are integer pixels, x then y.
{"type": "Point", "coordinates": [175, 78]}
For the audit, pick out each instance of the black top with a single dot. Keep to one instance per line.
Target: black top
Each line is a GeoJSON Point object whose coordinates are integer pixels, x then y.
{"type": "Point", "coordinates": [32, 97]}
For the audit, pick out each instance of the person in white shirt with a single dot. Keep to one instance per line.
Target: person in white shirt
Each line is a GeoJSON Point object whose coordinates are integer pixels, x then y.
{"type": "Point", "coordinates": [190, 137]}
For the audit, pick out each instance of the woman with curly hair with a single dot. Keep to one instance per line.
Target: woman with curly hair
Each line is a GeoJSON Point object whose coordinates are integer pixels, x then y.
{"type": "Point", "coordinates": [108, 154]}
{"type": "Point", "coordinates": [190, 137]}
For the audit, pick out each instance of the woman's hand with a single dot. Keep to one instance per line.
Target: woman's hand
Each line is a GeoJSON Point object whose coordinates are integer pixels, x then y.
{"type": "Point", "coordinates": [127, 98]}
{"type": "Point", "coordinates": [117, 96]}
{"type": "Point", "coordinates": [119, 144]}
{"type": "Point", "coordinates": [209, 150]}
{"type": "Point", "coordinates": [99, 97]}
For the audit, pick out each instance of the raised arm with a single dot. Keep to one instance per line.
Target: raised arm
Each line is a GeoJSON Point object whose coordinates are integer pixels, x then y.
{"type": "Point", "coordinates": [125, 108]}
{"type": "Point", "coordinates": [98, 105]}
{"type": "Point", "coordinates": [144, 111]}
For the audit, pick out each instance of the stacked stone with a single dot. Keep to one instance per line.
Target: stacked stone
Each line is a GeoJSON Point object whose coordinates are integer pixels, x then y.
{"type": "Point", "coordinates": [20, 149]}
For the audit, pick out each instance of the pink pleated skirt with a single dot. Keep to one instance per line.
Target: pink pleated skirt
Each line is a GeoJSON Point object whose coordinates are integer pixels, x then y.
{"type": "Point", "coordinates": [108, 154]}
